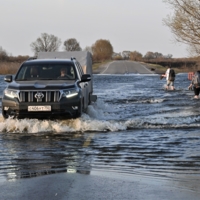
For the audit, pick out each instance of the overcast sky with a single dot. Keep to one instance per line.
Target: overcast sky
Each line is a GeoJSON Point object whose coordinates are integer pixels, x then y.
{"type": "Point", "coordinates": [131, 25]}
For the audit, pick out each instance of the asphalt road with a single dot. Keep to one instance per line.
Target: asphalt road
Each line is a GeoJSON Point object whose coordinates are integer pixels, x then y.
{"type": "Point", "coordinates": [123, 67]}
{"type": "Point", "coordinates": [108, 186]}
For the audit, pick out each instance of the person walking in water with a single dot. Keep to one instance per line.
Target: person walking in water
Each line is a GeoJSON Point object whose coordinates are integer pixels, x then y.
{"type": "Point", "coordinates": [195, 84]}
{"type": "Point", "coordinates": [170, 77]}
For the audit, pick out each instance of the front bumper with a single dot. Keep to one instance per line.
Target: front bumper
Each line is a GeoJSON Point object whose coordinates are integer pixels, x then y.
{"type": "Point", "coordinates": [65, 108]}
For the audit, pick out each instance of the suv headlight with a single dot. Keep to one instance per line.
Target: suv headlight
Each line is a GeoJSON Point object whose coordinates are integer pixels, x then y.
{"type": "Point", "coordinates": [69, 93]}
{"type": "Point", "coordinates": [11, 93]}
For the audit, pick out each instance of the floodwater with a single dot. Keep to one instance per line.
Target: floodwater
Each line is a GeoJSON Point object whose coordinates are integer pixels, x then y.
{"type": "Point", "coordinates": [135, 127]}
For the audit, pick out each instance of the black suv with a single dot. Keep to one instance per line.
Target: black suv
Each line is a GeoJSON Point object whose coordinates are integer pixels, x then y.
{"type": "Point", "coordinates": [39, 91]}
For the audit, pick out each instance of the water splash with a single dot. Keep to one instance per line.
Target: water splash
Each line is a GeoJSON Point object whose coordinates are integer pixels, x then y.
{"type": "Point", "coordinates": [97, 119]}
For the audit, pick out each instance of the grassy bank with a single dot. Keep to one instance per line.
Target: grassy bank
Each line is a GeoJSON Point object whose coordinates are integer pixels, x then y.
{"type": "Point", "coordinates": [9, 67]}
{"type": "Point", "coordinates": [159, 69]}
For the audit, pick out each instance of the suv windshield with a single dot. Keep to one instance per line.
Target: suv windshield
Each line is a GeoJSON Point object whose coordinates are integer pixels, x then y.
{"type": "Point", "coordinates": [46, 71]}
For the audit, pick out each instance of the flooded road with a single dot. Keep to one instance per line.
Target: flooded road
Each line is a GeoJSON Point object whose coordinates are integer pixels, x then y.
{"type": "Point", "coordinates": [135, 127]}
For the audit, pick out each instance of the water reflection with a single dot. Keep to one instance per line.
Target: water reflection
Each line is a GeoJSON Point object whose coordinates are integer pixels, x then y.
{"type": "Point", "coordinates": [24, 155]}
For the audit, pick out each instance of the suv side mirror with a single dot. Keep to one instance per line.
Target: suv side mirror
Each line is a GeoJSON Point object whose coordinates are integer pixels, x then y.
{"type": "Point", "coordinates": [8, 78]}
{"type": "Point", "coordinates": [86, 78]}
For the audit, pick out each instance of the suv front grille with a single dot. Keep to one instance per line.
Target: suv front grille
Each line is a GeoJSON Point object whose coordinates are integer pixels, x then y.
{"type": "Point", "coordinates": [39, 96]}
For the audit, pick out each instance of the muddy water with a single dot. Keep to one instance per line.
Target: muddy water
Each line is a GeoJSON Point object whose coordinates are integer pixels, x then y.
{"type": "Point", "coordinates": [135, 127]}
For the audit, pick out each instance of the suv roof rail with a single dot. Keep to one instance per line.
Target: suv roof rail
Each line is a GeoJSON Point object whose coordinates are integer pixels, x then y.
{"type": "Point", "coordinates": [73, 58]}
{"type": "Point", "coordinates": [32, 58]}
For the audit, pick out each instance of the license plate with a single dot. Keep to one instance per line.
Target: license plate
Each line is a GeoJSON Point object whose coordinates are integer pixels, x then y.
{"type": "Point", "coordinates": [39, 108]}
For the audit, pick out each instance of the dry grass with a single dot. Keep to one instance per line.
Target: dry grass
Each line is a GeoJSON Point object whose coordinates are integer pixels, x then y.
{"type": "Point", "coordinates": [161, 70]}
{"type": "Point", "coordinates": [157, 68]}
{"type": "Point", "coordinates": [9, 67]}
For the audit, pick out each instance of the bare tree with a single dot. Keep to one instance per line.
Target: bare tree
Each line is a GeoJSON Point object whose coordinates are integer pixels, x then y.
{"type": "Point", "coordinates": [46, 43]}
{"type": "Point", "coordinates": [3, 54]}
{"type": "Point", "coordinates": [185, 22]}
{"type": "Point", "coordinates": [102, 50]}
{"type": "Point", "coordinates": [158, 55]}
{"type": "Point", "coordinates": [88, 48]}
{"type": "Point", "coordinates": [149, 55]}
{"type": "Point", "coordinates": [135, 55]}
{"type": "Point", "coordinates": [126, 55]}
{"type": "Point", "coordinates": [72, 45]}
{"type": "Point", "coordinates": [153, 55]}
{"type": "Point", "coordinates": [168, 56]}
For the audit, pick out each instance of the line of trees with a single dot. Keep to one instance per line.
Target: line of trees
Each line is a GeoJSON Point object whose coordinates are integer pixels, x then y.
{"type": "Point", "coordinates": [101, 49]}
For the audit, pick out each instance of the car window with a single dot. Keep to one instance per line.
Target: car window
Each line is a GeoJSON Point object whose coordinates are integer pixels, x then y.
{"type": "Point", "coordinates": [45, 71]}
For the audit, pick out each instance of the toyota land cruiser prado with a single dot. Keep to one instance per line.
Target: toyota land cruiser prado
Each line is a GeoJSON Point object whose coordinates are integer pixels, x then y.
{"type": "Point", "coordinates": [39, 91]}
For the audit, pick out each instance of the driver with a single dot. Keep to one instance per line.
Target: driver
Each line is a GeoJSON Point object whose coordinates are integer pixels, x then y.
{"type": "Point", "coordinates": [63, 73]}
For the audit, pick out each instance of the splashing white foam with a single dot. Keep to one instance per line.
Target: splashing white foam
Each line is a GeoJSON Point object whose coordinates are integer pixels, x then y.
{"type": "Point", "coordinates": [94, 120]}
{"type": "Point", "coordinates": [98, 119]}
{"type": "Point", "coordinates": [33, 126]}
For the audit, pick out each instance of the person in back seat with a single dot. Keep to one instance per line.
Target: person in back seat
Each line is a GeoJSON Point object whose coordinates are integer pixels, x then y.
{"type": "Point", "coordinates": [34, 72]}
